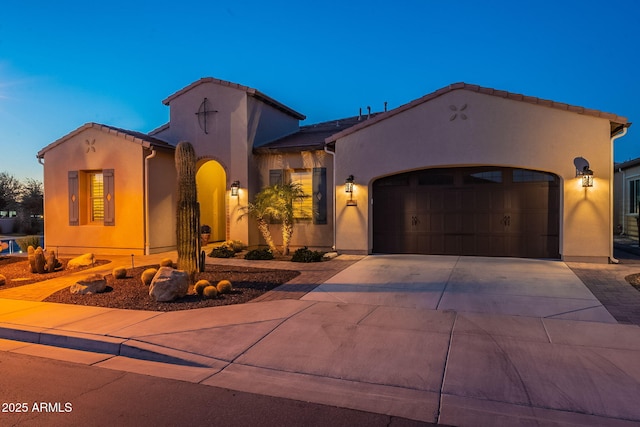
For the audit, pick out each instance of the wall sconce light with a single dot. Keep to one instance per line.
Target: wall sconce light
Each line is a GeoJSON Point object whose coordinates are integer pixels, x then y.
{"type": "Point", "coordinates": [235, 186]}
{"type": "Point", "coordinates": [587, 178]}
{"type": "Point", "coordinates": [348, 185]}
{"type": "Point", "coordinates": [348, 188]}
{"type": "Point", "coordinates": [583, 171]}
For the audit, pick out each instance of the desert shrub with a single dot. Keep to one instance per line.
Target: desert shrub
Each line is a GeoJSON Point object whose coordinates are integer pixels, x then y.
{"type": "Point", "coordinates": [119, 272]}
{"type": "Point", "coordinates": [3, 280]}
{"type": "Point", "coordinates": [210, 292]}
{"type": "Point", "coordinates": [200, 285]}
{"type": "Point", "coordinates": [147, 276]}
{"type": "Point", "coordinates": [27, 241]}
{"type": "Point", "coordinates": [222, 251]}
{"type": "Point", "coordinates": [236, 245]}
{"type": "Point", "coordinates": [256, 254]}
{"type": "Point", "coordinates": [307, 255]}
{"type": "Point", "coordinates": [224, 286]}
{"type": "Point", "coordinates": [166, 262]}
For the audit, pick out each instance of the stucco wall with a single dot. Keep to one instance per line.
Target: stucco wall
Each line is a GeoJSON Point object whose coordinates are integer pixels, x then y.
{"type": "Point", "coordinates": [163, 199]}
{"type": "Point", "coordinates": [306, 233]}
{"type": "Point", "coordinates": [80, 152]}
{"type": "Point", "coordinates": [493, 131]}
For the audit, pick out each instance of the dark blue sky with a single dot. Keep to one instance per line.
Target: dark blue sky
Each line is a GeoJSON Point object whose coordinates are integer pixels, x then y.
{"type": "Point", "coordinates": [66, 63]}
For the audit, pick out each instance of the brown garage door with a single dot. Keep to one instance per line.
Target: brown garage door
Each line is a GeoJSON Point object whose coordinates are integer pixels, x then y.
{"type": "Point", "coordinates": [490, 211]}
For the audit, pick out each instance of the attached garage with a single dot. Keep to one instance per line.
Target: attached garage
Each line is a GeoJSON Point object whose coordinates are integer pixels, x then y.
{"type": "Point", "coordinates": [489, 211]}
{"type": "Point", "coordinates": [470, 170]}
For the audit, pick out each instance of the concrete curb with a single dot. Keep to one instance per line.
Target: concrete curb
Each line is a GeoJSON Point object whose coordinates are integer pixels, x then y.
{"type": "Point", "coordinates": [105, 345]}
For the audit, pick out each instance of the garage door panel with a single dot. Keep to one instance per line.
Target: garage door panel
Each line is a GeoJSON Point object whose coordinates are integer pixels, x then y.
{"type": "Point", "coordinates": [474, 211]}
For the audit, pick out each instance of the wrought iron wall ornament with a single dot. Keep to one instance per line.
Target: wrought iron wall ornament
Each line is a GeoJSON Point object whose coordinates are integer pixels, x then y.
{"type": "Point", "coordinates": [203, 113]}
{"type": "Point", "coordinates": [458, 112]}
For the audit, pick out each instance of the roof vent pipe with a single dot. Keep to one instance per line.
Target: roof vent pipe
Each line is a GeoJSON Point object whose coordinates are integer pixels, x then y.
{"type": "Point", "coordinates": [385, 106]}
{"type": "Point", "coordinates": [369, 112]}
{"type": "Point", "coordinates": [360, 114]}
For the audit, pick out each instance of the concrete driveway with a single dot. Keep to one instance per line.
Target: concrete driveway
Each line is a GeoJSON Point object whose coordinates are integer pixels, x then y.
{"type": "Point", "coordinates": [509, 286]}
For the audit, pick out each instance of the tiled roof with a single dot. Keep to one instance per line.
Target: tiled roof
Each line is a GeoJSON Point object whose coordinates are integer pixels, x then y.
{"type": "Point", "coordinates": [138, 137]}
{"type": "Point", "coordinates": [311, 137]}
{"type": "Point", "coordinates": [250, 91]}
{"type": "Point", "coordinates": [616, 121]}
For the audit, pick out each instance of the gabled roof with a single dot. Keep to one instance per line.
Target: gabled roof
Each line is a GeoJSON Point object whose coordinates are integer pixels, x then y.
{"type": "Point", "coordinates": [250, 91]}
{"type": "Point", "coordinates": [138, 137]}
{"type": "Point", "coordinates": [311, 137]}
{"type": "Point", "coordinates": [617, 122]}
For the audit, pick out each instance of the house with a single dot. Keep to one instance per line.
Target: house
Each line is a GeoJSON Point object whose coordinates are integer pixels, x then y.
{"type": "Point", "coordinates": [464, 170]}
{"type": "Point", "coordinates": [627, 198]}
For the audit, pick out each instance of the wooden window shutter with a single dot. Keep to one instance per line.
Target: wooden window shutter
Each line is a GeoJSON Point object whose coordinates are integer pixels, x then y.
{"type": "Point", "coordinates": [319, 195]}
{"type": "Point", "coordinates": [276, 177]}
{"type": "Point", "coordinates": [74, 205]}
{"type": "Point", "coordinates": [109, 197]}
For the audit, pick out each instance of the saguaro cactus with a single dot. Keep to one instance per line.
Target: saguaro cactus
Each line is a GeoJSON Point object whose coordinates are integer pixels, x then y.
{"type": "Point", "coordinates": [188, 212]}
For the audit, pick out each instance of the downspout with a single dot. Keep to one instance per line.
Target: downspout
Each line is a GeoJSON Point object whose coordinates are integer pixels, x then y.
{"type": "Point", "coordinates": [624, 200]}
{"type": "Point", "coordinates": [611, 201]}
{"type": "Point", "coordinates": [146, 200]}
{"type": "Point", "coordinates": [333, 154]}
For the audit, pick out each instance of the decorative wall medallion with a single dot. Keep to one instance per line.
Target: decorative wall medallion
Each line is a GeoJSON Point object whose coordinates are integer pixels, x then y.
{"type": "Point", "coordinates": [203, 113]}
{"type": "Point", "coordinates": [458, 112]}
{"type": "Point", "coordinates": [90, 145]}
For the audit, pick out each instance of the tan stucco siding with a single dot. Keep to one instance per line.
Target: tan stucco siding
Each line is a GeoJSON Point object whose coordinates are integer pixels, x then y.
{"type": "Point", "coordinates": [493, 131]}
{"type": "Point", "coordinates": [162, 202]}
{"type": "Point", "coordinates": [94, 150]}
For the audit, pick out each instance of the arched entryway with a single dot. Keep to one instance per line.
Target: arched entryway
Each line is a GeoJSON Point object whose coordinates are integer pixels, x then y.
{"type": "Point", "coordinates": [211, 181]}
{"type": "Point", "coordinates": [486, 211]}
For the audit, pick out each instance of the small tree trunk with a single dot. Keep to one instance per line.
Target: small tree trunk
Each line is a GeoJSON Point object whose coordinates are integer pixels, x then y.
{"type": "Point", "coordinates": [266, 233]}
{"type": "Point", "coordinates": [287, 232]}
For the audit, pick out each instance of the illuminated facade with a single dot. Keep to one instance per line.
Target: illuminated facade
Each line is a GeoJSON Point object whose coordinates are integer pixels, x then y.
{"type": "Point", "coordinates": [464, 170]}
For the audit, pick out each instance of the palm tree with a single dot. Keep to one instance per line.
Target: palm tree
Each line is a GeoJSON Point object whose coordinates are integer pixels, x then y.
{"type": "Point", "coordinates": [264, 210]}
{"type": "Point", "coordinates": [275, 203]}
{"type": "Point", "coordinates": [287, 195]}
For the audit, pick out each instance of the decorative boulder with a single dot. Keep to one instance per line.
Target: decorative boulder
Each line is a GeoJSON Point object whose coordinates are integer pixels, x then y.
{"type": "Point", "coordinates": [169, 284]}
{"type": "Point", "coordinates": [81, 261]}
{"type": "Point", "coordinates": [93, 284]}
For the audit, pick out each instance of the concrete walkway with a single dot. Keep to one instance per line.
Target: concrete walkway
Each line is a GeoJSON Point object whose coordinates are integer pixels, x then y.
{"type": "Point", "coordinates": [454, 340]}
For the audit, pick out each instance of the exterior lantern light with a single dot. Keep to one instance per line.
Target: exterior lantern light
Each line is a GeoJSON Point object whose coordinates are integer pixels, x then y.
{"type": "Point", "coordinates": [583, 171]}
{"type": "Point", "coordinates": [235, 186]}
{"type": "Point", "coordinates": [348, 188]}
{"type": "Point", "coordinates": [587, 178]}
{"type": "Point", "coordinates": [348, 185]}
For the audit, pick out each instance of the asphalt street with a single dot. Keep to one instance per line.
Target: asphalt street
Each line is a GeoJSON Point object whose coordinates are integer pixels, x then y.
{"type": "Point", "coordinates": [43, 392]}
